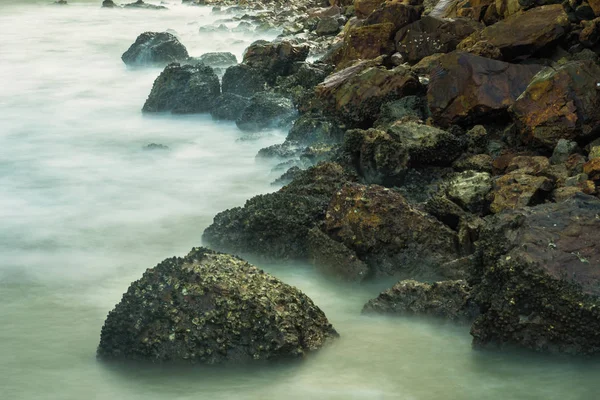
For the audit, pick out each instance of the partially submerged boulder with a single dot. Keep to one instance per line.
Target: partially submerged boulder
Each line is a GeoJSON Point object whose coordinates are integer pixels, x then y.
{"type": "Point", "coordinates": [275, 59]}
{"type": "Point", "coordinates": [212, 308]}
{"type": "Point", "coordinates": [538, 276]}
{"type": "Point", "coordinates": [464, 88]}
{"type": "Point", "coordinates": [446, 299]}
{"type": "Point", "coordinates": [155, 48]}
{"type": "Point", "coordinates": [560, 103]}
{"type": "Point", "coordinates": [229, 106]}
{"type": "Point", "coordinates": [218, 59]}
{"type": "Point", "coordinates": [243, 80]}
{"type": "Point", "coordinates": [146, 6]}
{"type": "Point", "coordinates": [266, 110]}
{"type": "Point", "coordinates": [184, 89]}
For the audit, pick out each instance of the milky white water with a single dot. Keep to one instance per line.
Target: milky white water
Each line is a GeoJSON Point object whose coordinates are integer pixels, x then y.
{"type": "Point", "coordinates": [84, 211]}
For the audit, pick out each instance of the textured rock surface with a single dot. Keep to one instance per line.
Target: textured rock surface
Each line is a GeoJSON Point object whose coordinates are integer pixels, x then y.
{"type": "Point", "coordinates": [218, 59]}
{"type": "Point", "coordinates": [212, 308]}
{"type": "Point", "coordinates": [517, 190]}
{"type": "Point", "coordinates": [465, 87]}
{"type": "Point", "coordinates": [274, 59]}
{"type": "Point", "coordinates": [447, 299]}
{"type": "Point", "coordinates": [243, 80]}
{"type": "Point", "coordinates": [366, 42]}
{"type": "Point", "coordinates": [470, 190]}
{"type": "Point", "coordinates": [184, 89]}
{"type": "Point", "coordinates": [561, 103]}
{"type": "Point", "coordinates": [229, 106]}
{"type": "Point", "coordinates": [538, 280]}
{"type": "Point", "coordinates": [266, 110]}
{"type": "Point", "coordinates": [155, 48]}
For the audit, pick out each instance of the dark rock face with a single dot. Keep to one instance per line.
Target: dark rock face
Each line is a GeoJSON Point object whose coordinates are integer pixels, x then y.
{"type": "Point", "coordinates": [447, 299]}
{"type": "Point", "coordinates": [184, 89]}
{"type": "Point", "coordinates": [243, 80]}
{"type": "Point", "coordinates": [155, 48]}
{"type": "Point", "coordinates": [407, 108]}
{"type": "Point", "coordinates": [465, 87]}
{"type": "Point", "coordinates": [266, 110]}
{"type": "Point", "coordinates": [218, 59]}
{"type": "Point", "coordinates": [309, 129]}
{"type": "Point", "coordinates": [395, 12]}
{"type": "Point", "coordinates": [108, 4]}
{"type": "Point", "coordinates": [328, 26]}
{"type": "Point", "coordinates": [212, 308]}
{"type": "Point", "coordinates": [366, 42]}
{"type": "Point", "coordinates": [276, 225]}
{"type": "Point", "coordinates": [537, 282]}
{"type": "Point", "coordinates": [355, 94]}
{"type": "Point", "coordinates": [146, 6]}
{"type": "Point", "coordinates": [431, 35]}
{"type": "Point", "coordinates": [274, 58]}
{"type": "Point", "coordinates": [229, 107]}
{"type": "Point", "coordinates": [523, 34]}
{"type": "Point", "coordinates": [561, 103]}
{"type": "Point", "coordinates": [388, 234]}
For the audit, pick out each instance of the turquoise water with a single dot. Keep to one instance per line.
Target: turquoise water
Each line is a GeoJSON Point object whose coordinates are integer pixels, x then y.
{"type": "Point", "coordinates": [85, 211]}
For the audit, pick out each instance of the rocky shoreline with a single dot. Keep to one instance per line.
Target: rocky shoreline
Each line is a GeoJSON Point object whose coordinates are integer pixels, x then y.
{"type": "Point", "coordinates": [454, 148]}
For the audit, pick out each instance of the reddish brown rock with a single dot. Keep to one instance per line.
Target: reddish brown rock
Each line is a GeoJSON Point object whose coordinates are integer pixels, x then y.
{"type": "Point", "coordinates": [431, 35]}
{"type": "Point", "coordinates": [366, 42]}
{"type": "Point", "coordinates": [517, 190]}
{"type": "Point", "coordinates": [524, 33]}
{"type": "Point", "coordinates": [362, 8]}
{"type": "Point", "coordinates": [592, 169]}
{"type": "Point", "coordinates": [535, 165]}
{"type": "Point", "coordinates": [395, 12]}
{"type": "Point", "coordinates": [590, 35]}
{"type": "Point", "coordinates": [356, 93]}
{"type": "Point", "coordinates": [388, 234]}
{"type": "Point", "coordinates": [274, 58]}
{"type": "Point", "coordinates": [562, 103]}
{"type": "Point", "coordinates": [465, 87]}
{"type": "Point", "coordinates": [474, 9]}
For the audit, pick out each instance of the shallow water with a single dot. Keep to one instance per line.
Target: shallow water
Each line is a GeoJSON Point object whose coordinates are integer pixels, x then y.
{"type": "Point", "coordinates": [85, 211]}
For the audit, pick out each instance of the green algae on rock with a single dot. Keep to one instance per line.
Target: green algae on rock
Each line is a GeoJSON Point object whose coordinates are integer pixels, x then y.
{"type": "Point", "coordinates": [212, 308]}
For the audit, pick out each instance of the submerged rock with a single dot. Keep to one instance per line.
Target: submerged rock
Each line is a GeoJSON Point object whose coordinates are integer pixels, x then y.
{"type": "Point", "coordinates": [184, 89]}
{"type": "Point", "coordinates": [243, 80]}
{"type": "Point", "coordinates": [146, 6]}
{"type": "Point", "coordinates": [448, 299]}
{"type": "Point", "coordinates": [155, 48]}
{"type": "Point", "coordinates": [218, 59]}
{"type": "Point", "coordinates": [212, 308]}
{"type": "Point", "coordinates": [266, 110]}
{"type": "Point", "coordinates": [109, 4]}
{"type": "Point", "coordinates": [538, 278]}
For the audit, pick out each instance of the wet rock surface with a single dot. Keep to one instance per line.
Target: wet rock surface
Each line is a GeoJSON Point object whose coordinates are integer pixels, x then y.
{"type": "Point", "coordinates": [212, 308]}
{"type": "Point", "coordinates": [155, 48]}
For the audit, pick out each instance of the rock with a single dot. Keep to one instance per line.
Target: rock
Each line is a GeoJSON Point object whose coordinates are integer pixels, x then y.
{"type": "Point", "coordinates": [592, 169]}
{"type": "Point", "coordinates": [536, 165]}
{"type": "Point", "coordinates": [523, 34]}
{"type": "Point", "coordinates": [61, 2]}
{"type": "Point", "coordinates": [275, 59]}
{"type": "Point", "coordinates": [389, 235]}
{"type": "Point", "coordinates": [446, 299]}
{"type": "Point", "coordinates": [378, 157]}
{"type": "Point", "coordinates": [156, 146]}
{"type": "Point", "coordinates": [366, 42]}
{"type": "Point", "coordinates": [334, 259]}
{"type": "Point", "coordinates": [328, 26]}
{"type": "Point", "coordinates": [286, 150]}
{"type": "Point", "coordinates": [537, 278]}
{"type": "Point", "coordinates": [109, 4]}
{"type": "Point", "coordinates": [395, 12]}
{"type": "Point", "coordinates": [409, 108]}
{"type": "Point", "coordinates": [465, 88]}
{"type": "Point", "coordinates": [470, 190]}
{"type": "Point", "coordinates": [363, 8]}
{"type": "Point", "coordinates": [266, 110]}
{"type": "Point", "coordinates": [183, 89]}
{"type": "Point", "coordinates": [356, 94]}
{"type": "Point", "coordinates": [560, 103]}
{"type": "Point", "coordinates": [301, 84]}
{"type": "Point", "coordinates": [218, 59]}
{"type": "Point", "coordinates": [594, 152]}
{"type": "Point", "coordinates": [146, 6]}
{"type": "Point", "coordinates": [431, 35]}
{"type": "Point", "coordinates": [212, 308]}
{"type": "Point", "coordinates": [276, 225]}
{"type": "Point", "coordinates": [477, 162]}
{"type": "Point", "coordinates": [427, 145]}
{"type": "Point", "coordinates": [565, 193]}
{"type": "Point", "coordinates": [563, 149]}
{"type": "Point", "coordinates": [517, 190]}
{"type": "Point", "coordinates": [155, 48]}
{"type": "Point", "coordinates": [229, 107]}
{"type": "Point", "coordinates": [474, 9]}
{"type": "Point", "coordinates": [590, 35]}
{"type": "Point", "coordinates": [287, 176]}
{"type": "Point", "coordinates": [313, 128]}
{"type": "Point", "coordinates": [243, 80]}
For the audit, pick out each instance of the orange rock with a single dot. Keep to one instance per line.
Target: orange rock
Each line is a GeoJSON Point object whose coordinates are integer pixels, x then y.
{"type": "Point", "coordinates": [517, 190]}
{"type": "Point", "coordinates": [592, 169]}
{"type": "Point", "coordinates": [366, 42]}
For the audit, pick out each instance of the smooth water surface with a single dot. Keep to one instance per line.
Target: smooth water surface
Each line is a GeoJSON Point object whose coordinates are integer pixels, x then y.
{"type": "Point", "coordinates": [84, 210]}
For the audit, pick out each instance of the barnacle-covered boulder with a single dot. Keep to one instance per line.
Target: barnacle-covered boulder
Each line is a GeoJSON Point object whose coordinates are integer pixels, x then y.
{"type": "Point", "coordinates": [212, 308]}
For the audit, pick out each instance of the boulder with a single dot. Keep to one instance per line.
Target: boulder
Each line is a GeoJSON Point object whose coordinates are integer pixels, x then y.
{"type": "Point", "coordinates": [356, 94]}
{"type": "Point", "coordinates": [229, 106]}
{"type": "Point", "coordinates": [465, 88]}
{"type": "Point", "coordinates": [560, 103]}
{"type": "Point", "coordinates": [184, 89]}
{"type": "Point", "coordinates": [477, 162]}
{"type": "Point", "coordinates": [212, 308]}
{"type": "Point", "coordinates": [314, 128]}
{"type": "Point", "coordinates": [276, 225]}
{"type": "Point", "coordinates": [155, 48]}
{"type": "Point", "coordinates": [409, 108]}
{"type": "Point", "coordinates": [377, 157]}
{"type": "Point", "coordinates": [362, 8]}
{"type": "Point", "coordinates": [470, 189]}
{"type": "Point", "coordinates": [537, 278]}
{"type": "Point", "coordinates": [275, 59]}
{"type": "Point", "coordinates": [366, 42]}
{"type": "Point", "coordinates": [474, 9]}
{"type": "Point", "coordinates": [109, 4]}
{"type": "Point", "coordinates": [563, 150]}
{"type": "Point", "coordinates": [524, 33]}
{"type": "Point", "coordinates": [266, 110]}
{"type": "Point", "coordinates": [446, 299]}
{"type": "Point", "coordinates": [431, 35]}
{"type": "Point", "coordinates": [243, 80]}
{"type": "Point", "coordinates": [395, 12]}
{"type": "Point", "coordinates": [427, 145]}
{"type": "Point", "coordinates": [218, 59]}
{"type": "Point", "coordinates": [388, 234]}
{"type": "Point", "coordinates": [328, 26]}
{"type": "Point", "coordinates": [145, 6]}
{"type": "Point", "coordinates": [517, 190]}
